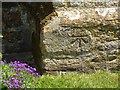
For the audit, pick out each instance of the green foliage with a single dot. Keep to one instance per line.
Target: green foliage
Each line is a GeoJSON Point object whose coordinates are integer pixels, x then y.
{"type": "Point", "coordinates": [16, 75]}
{"type": "Point", "coordinates": [0, 56]}
{"type": "Point", "coordinates": [100, 79]}
{"type": "Point", "coordinates": [1, 35]}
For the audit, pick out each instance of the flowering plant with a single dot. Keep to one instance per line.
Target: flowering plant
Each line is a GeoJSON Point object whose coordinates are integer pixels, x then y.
{"type": "Point", "coordinates": [17, 74]}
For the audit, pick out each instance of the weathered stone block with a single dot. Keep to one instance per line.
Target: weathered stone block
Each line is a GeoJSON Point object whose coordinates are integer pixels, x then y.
{"type": "Point", "coordinates": [82, 35]}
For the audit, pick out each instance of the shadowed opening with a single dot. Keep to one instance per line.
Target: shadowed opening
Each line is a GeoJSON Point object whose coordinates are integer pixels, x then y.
{"type": "Point", "coordinates": [22, 31]}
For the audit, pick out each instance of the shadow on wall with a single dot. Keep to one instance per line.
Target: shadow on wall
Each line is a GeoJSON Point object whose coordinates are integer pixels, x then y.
{"type": "Point", "coordinates": [22, 31]}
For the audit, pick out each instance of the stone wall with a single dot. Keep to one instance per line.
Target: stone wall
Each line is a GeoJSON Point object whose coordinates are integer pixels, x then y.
{"type": "Point", "coordinates": [84, 37]}
{"type": "Point", "coordinates": [17, 28]}
{"type": "Point", "coordinates": [22, 31]}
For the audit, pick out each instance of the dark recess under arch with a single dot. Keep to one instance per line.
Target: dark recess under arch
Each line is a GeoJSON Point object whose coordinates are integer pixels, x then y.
{"type": "Point", "coordinates": [18, 19]}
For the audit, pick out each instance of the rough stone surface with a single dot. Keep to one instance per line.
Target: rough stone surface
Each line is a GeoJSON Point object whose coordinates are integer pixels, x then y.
{"type": "Point", "coordinates": [17, 29]}
{"type": "Point", "coordinates": [22, 31]}
{"type": "Point", "coordinates": [82, 39]}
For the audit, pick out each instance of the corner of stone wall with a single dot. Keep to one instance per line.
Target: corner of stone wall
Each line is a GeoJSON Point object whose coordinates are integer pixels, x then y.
{"type": "Point", "coordinates": [83, 37]}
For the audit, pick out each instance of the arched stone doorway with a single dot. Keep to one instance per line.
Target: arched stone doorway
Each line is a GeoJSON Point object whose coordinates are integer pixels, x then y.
{"type": "Point", "coordinates": [22, 31]}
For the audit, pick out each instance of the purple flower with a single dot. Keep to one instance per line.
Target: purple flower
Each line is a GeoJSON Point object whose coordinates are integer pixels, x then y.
{"type": "Point", "coordinates": [0, 76]}
{"type": "Point", "coordinates": [34, 69]}
{"type": "Point", "coordinates": [33, 74]}
{"type": "Point", "coordinates": [36, 74]}
{"type": "Point", "coordinates": [22, 76]}
{"type": "Point", "coordinates": [1, 62]}
{"type": "Point", "coordinates": [23, 65]}
{"type": "Point", "coordinates": [19, 65]}
{"type": "Point", "coordinates": [18, 69]}
{"type": "Point", "coordinates": [11, 65]}
{"type": "Point", "coordinates": [17, 74]}
{"type": "Point", "coordinates": [9, 77]}
{"type": "Point", "coordinates": [22, 81]}
{"type": "Point", "coordinates": [13, 78]}
{"type": "Point", "coordinates": [6, 81]}
{"type": "Point", "coordinates": [16, 81]}
{"type": "Point", "coordinates": [16, 85]}
{"type": "Point", "coordinates": [16, 62]}
{"type": "Point", "coordinates": [28, 66]}
{"type": "Point", "coordinates": [11, 86]}
{"type": "Point", "coordinates": [30, 71]}
{"type": "Point", "coordinates": [12, 70]}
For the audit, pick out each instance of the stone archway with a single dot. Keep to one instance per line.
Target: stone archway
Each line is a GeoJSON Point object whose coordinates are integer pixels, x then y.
{"type": "Point", "coordinates": [22, 31]}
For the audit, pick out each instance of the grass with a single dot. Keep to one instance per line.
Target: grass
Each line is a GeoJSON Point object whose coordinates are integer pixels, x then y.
{"type": "Point", "coordinates": [1, 35]}
{"type": "Point", "coordinates": [99, 79]}
{"type": "Point", "coordinates": [0, 56]}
